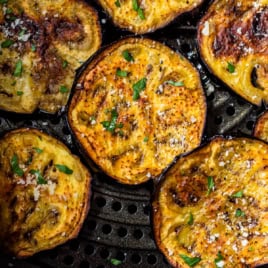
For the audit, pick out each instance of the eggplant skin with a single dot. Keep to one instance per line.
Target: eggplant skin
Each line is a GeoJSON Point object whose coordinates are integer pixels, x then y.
{"type": "Point", "coordinates": [156, 14]}
{"type": "Point", "coordinates": [215, 200]}
{"type": "Point", "coordinates": [135, 107]}
{"type": "Point", "coordinates": [44, 193]}
{"type": "Point", "coordinates": [42, 44]}
{"type": "Point", "coordinates": [233, 42]}
{"type": "Point", "coordinates": [261, 127]}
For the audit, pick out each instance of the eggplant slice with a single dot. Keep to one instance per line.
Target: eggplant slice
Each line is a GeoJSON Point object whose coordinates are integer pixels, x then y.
{"type": "Point", "coordinates": [212, 206]}
{"type": "Point", "coordinates": [42, 44]}
{"type": "Point", "coordinates": [146, 16]}
{"type": "Point", "coordinates": [261, 127]}
{"type": "Point", "coordinates": [233, 42]}
{"type": "Point", "coordinates": [136, 106]}
{"type": "Point", "coordinates": [44, 193]}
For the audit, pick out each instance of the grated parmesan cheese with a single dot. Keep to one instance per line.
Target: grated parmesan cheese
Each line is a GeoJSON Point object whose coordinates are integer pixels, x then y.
{"type": "Point", "coordinates": [205, 30]}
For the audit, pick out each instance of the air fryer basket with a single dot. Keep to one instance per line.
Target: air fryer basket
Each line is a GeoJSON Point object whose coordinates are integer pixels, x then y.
{"type": "Point", "coordinates": [119, 225]}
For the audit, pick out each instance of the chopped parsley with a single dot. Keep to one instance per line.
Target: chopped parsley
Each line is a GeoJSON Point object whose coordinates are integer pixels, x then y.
{"type": "Point", "coordinates": [40, 178]}
{"type": "Point", "coordinates": [191, 219]}
{"type": "Point", "coordinates": [121, 73]}
{"type": "Point", "coordinates": [65, 64]}
{"type": "Point", "coordinates": [15, 166]}
{"type": "Point", "coordinates": [211, 184]}
{"type": "Point", "coordinates": [64, 89]}
{"type": "Point", "coordinates": [218, 259]}
{"type": "Point", "coordinates": [138, 87]}
{"type": "Point", "coordinates": [146, 139]}
{"type": "Point", "coordinates": [115, 262]}
{"type": "Point", "coordinates": [230, 68]}
{"type": "Point", "coordinates": [64, 169]}
{"type": "Point", "coordinates": [137, 8]}
{"type": "Point", "coordinates": [239, 213]}
{"type": "Point", "coordinates": [7, 43]}
{"type": "Point", "coordinates": [19, 93]}
{"type": "Point", "coordinates": [190, 261]}
{"type": "Point", "coordinates": [18, 69]}
{"type": "Point", "coordinates": [22, 32]}
{"type": "Point", "coordinates": [33, 47]}
{"type": "Point", "coordinates": [38, 150]}
{"type": "Point", "coordinates": [127, 56]}
{"type": "Point", "coordinates": [111, 125]}
{"type": "Point", "coordinates": [117, 3]}
{"type": "Point", "coordinates": [3, 1]}
{"type": "Point", "coordinates": [237, 194]}
{"type": "Point", "coordinates": [9, 11]}
{"type": "Point", "coordinates": [175, 84]}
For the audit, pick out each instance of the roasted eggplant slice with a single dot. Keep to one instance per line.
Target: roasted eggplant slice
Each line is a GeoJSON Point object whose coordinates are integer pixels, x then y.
{"type": "Point", "coordinates": [261, 127]}
{"type": "Point", "coordinates": [146, 16]}
{"type": "Point", "coordinates": [233, 42]}
{"type": "Point", "coordinates": [136, 106]}
{"type": "Point", "coordinates": [42, 44]}
{"type": "Point", "coordinates": [211, 209]}
{"type": "Point", "coordinates": [44, 193]}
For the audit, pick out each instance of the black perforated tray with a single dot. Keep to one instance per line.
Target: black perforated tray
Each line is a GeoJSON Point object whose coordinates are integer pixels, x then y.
{"type": "Point", "coordinates": [119, 225]}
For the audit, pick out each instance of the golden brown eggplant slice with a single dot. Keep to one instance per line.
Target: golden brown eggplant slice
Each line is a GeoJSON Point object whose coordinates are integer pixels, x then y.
{"type": "Point", "coordinates": [136, 106]}
{"type": "Point", "coordinates": [233, 42]}
{"type": "Point", "coordinates": [44, 193]}
{"type": "Point", "coordinates": [211, 209]}
{"type": "Point", "coordinates": [146, 16]}
{"type": "Point", "coordinates": [261, 127]}
{"type": "Point", "coordinates": [42, 44]}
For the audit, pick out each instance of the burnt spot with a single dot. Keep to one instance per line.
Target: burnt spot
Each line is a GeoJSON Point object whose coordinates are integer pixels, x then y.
{"type": "Point", "coordinates": [176, 198]}
{"type": "Point", "coordinates": [260, 24]}
{"type": "Point", "coordinates": [6, 68]}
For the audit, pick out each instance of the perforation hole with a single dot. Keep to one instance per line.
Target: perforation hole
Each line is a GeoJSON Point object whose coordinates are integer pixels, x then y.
{"type": "Point", "coordinates": [106, 228]}
{"type": "Point", "coordinates": [55, 121]}
{"type": "Point", "coordinates": [218, 120]}
{"type": "Point", "coordinates": [151, 259]}
{"type": "Point", "coordinates": [185, 47]}
{"type": "Point", "coordinates": [91, 225]}
{"type": "Point", "coordinates": [53, 254]}
{"type": "Point", "coordinates": [138, 234]}
{"type": "Point", "coordinates": [84, 264]}
{"type": "Point", "coordinates": [89, 250]}
{"type": "Point", "coordinates": [136, 258]}
{"type": "Point", "coordinates": [120, 256]}
{"type": "Point", "coordinates": [65, 131]}
{"type": "Point", "coordinates": [250, 125]}
{"type": "Point", "coordinates": [230, 110]}
{"type": "Point", "coordinates": [100, 266]}
{"type": "Point", "coordinates": [100, 201]}
{"type": "Point", "coordinates": [146, 210]}
{"type": "Point", "coordinates": [122, 232]}
{"type": "Point", "coordinates": [132, 209]}
{"type": "Point", "coordinates": [104, 253]}
{"type": "Point", "coordinates": [211, 97]}
{"type": "Point", "coordinates": [116, 206]}
{"type": "Point", "coordinates": [74, 245]}
{"type": "Point", "coordinates": [68, 260]}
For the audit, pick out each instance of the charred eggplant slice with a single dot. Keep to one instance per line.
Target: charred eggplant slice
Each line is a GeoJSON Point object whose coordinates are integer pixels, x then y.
{"type": "Point", "coordinates": [233, 42]}
{"type": "Point", "coordinates": [142, 17]}
{"type": "Point", "coordinates": [44, 193]}
{"type": "Point", "coordinates": [211, 209]}
{"type": "Point", "coordinates": [261, 127]}
{"type": "Point", "coordinates": [136, 106]}
{"type": "Point", "coordinates": [42, 44]}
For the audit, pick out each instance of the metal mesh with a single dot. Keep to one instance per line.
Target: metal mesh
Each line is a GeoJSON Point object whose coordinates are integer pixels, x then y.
{"type": "Point", "coordinates": [119, 224]}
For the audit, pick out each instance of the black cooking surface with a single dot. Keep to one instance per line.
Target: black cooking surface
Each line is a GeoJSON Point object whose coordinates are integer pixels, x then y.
{"type": "Point", "coordinates": [119, 225]}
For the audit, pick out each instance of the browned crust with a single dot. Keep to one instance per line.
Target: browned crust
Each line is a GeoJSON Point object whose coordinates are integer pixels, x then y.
{"type": "Point", "coordinates": [259, 129]}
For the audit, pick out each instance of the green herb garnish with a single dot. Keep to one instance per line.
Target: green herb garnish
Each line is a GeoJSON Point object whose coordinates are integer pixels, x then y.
{"type": "Point", "coordinates": [138, 87]}
{"type": "Point", "coordinates": [15, 165]}
{"type": "Point", "coordinates": [117, 3]}
{"type": "Point", "coordinates": [146, 139]}
{"type": "Point", "coordinates": [7, 43]}
{"type": "Point", "coordinates": [210, 184]}
{"type": "Point", "coordinates": [141, 13]}
{"type": "Point", "coordinates": [64, 89]}
{"type": "Point", "coordinates": [191, 219]}
{"type": "Point", "coordinates": [175, 84]}
{"type": "Point", "coordinates": [115, 262]}
{"type": "Point", "coordinates": [3, 1]}
{"type": "Point", "coordinates": [64, 169]}
{"type": "Point", "coordinates": [190, 261]}
{"type": "Point", "coordinates": [22, 32]}
{"type": "Point", "coordinates": [19, 93]}
{"type": "Point", "coordinates": [218, 259]}
{"type": "Point", "coordinates": [33, 47]}
{"type": "Point", "coordinates": [111, 125]}
{"type": "Point", "coordinates": [38, 150]}
{"type": "Point", "coordinates": [137, 8]}
{"type": "Point", "coordinates": [64, 64]}
{"type": "Point", "coordinates": [238, 194]}
{"type": "Point", "coordinates": [18, 69]}
{"type": "Point", "coordinates": [127, 56]}
{"type": "Point", "coordinates": [230, 68]}
{"type": "Point", "coordinates": [40, 178]}
{"type": "Point", "coordinates": [239, 213]}
{"type": "Point", "coordinates": [121, 73]}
